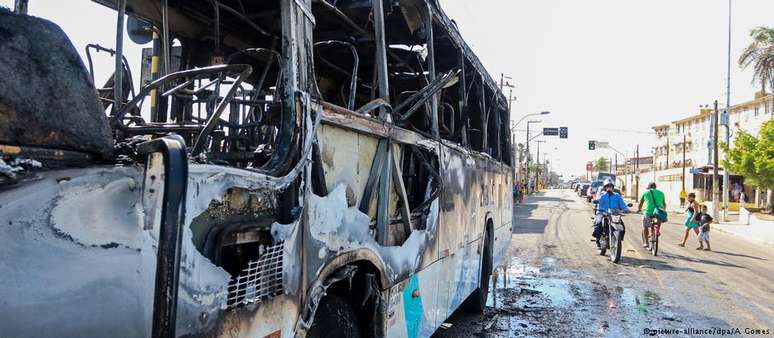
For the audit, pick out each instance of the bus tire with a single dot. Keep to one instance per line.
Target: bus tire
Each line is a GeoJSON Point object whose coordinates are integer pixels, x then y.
{"type": "Point", "coordinates": [334, 318]}
{"type": "Point", "coordinates": [476, 302]}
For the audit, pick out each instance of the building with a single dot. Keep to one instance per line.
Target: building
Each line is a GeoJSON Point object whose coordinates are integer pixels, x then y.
{"type": "Point", "coordinates": [625, 174]}
{"type": "Point", "coordinates": [683, 153]}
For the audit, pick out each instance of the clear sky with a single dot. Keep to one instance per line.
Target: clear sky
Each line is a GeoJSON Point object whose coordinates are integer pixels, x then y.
{"type": "Point", "coordinates": [610, 64]}
{"type": "Point", "coordinates": [598, 65]}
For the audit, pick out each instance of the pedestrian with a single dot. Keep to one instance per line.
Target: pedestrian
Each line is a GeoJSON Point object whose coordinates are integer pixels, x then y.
{"type": "Point", "coordinates": [737, 191]}
{"type": "Point", "coordinates": [704, 224]}
{"type": "Point", "coordinates": [691, 223]}
{"type": "Point", "coordinates": [523, 192]}
{"type": "Point", "coordinates": [516, 193]}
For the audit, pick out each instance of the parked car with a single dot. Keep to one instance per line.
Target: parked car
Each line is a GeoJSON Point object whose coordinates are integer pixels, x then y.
{"type": "Point", "coordinates": [583, 189]}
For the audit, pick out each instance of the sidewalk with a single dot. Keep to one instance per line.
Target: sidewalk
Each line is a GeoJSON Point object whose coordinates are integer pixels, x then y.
{"type": "Point", "coordinates": [759, 232]}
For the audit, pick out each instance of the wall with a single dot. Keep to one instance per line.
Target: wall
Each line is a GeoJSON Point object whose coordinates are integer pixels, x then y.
{"type": "Point", "coordinates": [669, 182]}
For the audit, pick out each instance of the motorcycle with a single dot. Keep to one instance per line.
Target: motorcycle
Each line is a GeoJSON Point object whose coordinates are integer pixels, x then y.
{"type": "Point", "coordinates": [613, 230]}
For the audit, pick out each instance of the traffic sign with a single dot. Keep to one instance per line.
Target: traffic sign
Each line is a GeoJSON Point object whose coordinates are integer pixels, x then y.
{"type": "Point", "coordinates": [592, 145]}
{"type": "Point", "coordinates": [601, 144]}
{"type": "Point", "coordinates": [562, 132]}
{"type": "Point", "coordinates": [589, 166]}
{"type": "Point", "coordinates": [550, 131]}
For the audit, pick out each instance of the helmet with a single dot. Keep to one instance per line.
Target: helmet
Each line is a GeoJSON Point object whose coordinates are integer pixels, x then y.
{"type": "Point", "coordinates": [608, 182]}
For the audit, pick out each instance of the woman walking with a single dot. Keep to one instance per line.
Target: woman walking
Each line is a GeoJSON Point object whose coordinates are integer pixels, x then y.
{"type": "Point", "coordinates": [691, 222]}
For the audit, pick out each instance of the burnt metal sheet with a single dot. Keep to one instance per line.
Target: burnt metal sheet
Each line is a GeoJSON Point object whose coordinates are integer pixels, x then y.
{"type": "Point", "coordinates": [339, 116]}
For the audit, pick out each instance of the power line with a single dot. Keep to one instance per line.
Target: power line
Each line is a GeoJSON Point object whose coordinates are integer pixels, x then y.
{"type": "Point", "coordinates": [627, 131]}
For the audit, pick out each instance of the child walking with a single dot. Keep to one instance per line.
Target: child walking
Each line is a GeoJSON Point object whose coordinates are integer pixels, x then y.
{"type": "Point", "coordinates": [704, 225]}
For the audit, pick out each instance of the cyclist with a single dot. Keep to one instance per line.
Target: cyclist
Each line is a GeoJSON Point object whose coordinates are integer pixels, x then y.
{"type": "Point", "coordinates": [607, 199]}
{"type": "Point", "coordinates": [655, 199]}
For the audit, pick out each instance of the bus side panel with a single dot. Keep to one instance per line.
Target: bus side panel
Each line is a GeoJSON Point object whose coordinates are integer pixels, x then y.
{"type": "Point", "coordinates": [503, 229]}
{"type": "Point", "coordinates": [462, 223]}
{"type": "Point", "coordinates": [414, 311]}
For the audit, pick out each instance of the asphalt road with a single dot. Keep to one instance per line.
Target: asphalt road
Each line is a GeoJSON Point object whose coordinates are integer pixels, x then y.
{"type": "Point", "coordinates": [556, 284]}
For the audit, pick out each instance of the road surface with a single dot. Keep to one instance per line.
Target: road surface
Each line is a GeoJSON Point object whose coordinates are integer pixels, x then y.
{"type": "Point", "coordinates": [557, 285]}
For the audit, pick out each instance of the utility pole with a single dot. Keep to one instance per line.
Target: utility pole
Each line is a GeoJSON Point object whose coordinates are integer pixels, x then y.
{"type": "Point", "coordinates": [666, 161]}
{"type": "Point", "coordinates": [684, 140]}
{"type": "Point", "coordinates": [715, 181]}
{"type": "Point", "coordinates": [526, 175]}
{"type": "Point", "coordinates": [545, 169]}
{"type": "Point", "coordinates": [537, 174]}
{"type": "Point", "coordinates": [728, 112]}
{"type": "Point", "coordinates": [637, 172]}
{"type": "Point", "coordinates": [526, 161]}
{"type": "Point", "coordinates": [655, 168]}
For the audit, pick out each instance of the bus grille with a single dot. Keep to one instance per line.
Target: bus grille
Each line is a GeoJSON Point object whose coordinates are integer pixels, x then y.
{"type": "Point", "coordinates": [260, 281]}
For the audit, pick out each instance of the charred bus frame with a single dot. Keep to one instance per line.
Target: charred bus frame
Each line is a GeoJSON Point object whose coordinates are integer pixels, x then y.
{"type": "Point", "coordinates": [392, 81]}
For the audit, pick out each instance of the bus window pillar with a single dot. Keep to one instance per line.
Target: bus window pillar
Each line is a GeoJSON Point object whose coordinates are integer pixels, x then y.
{"type": "Point", "coordinates": [384, 150]}
{"type": "Point", "coordinates": [484, 117]}
{"type": "Point", "coordinates": [463, 101]}
{"type": "Point", "coordinates": [20, 6]}
{"type": "Point", "coordinates": [431, 70]}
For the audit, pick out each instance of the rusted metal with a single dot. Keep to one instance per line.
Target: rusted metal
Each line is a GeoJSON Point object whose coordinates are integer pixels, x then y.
{"type": "Point", "coordinates": [355, 67]}
{"type": "Point", "coordinates": [380, 61]}
{"type": "Point", "coordinates": [50, 157]}
{"type": "Point", "coordinates": [167, 279]}
{"type": "Point", "coordinates": [240, 16]}
{"type": "Point", "coordinates": [118, 73]}
{"type": "Point", "coordinates": [427, 94]}
{"type": "Point", "coordinates": [365, 124]}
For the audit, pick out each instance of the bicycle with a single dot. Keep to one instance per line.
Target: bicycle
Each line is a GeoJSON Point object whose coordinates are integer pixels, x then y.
{"type": "Point", "coordinates": [654, 232]}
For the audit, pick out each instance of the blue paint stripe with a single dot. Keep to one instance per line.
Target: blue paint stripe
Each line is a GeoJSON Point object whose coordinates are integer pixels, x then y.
{"type": "Point", "coordinates": [412, 307]}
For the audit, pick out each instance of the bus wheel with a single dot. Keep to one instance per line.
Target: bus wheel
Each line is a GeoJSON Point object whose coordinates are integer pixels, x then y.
{"type": "Point", "coordinates": [334, 318]}
{"type": "Point", "coordinates": [476, 302]}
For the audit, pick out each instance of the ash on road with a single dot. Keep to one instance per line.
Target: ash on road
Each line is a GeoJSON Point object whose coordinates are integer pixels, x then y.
{"type": "Point", "coordinates": [556, 285]}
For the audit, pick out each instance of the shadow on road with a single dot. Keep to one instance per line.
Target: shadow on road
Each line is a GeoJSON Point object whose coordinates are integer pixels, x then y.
{"type": "Point", "coordinates": [529, 226]}
{"type": "Point", "coordinates": [541, 197]}
{"type": "Point", "coordinates": [522, 224]}
{"type": "Point", "coordinates": [739, 255]}
{"type": "Point", "coordinates": [703, 261]}
{"type": "Point", "coordinates": [655, 264]}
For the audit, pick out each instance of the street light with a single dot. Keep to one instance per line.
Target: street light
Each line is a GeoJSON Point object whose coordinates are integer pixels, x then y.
{"type": "Point", "coordinates": [528, 115]}
{"type": "Point", "coordinates": [526, 173]}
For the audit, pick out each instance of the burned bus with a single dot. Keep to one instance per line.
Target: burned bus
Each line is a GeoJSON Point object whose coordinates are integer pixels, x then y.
{"type": "Point", "coordinates": [283, 168]}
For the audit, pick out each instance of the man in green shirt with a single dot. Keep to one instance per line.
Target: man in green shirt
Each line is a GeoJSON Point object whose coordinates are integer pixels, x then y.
{"type": "Point", "coordinates": [655, 199]}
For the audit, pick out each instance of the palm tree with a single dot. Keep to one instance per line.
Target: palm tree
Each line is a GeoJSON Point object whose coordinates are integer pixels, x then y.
{"type": "Point", "coordinates": [760, 55]}
{"type": "Point", "coordinates": [601, 164]}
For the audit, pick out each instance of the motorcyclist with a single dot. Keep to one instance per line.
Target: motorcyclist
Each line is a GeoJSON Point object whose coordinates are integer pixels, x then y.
{"type": "Point", "coordinates": [609, 199]}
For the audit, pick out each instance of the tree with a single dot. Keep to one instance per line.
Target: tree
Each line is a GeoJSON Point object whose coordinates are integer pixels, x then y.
{"type": "Point", "coordinates": [760, 55]}
{"type": "Point", "coordinates": [753, 158]}
{"type": "Point", "coordinates": [602, 164]}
